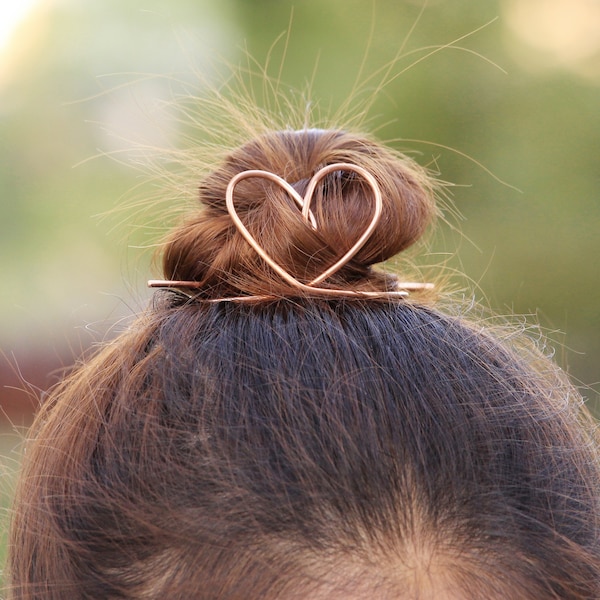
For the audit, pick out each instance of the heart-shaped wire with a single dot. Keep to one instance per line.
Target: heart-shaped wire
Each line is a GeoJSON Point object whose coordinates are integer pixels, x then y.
{"type": "Point", "coordinates": [304, 203]}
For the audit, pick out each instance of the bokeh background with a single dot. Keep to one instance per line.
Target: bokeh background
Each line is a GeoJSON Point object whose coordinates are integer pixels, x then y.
{"type": "Point", "coordinates": [509, 112]}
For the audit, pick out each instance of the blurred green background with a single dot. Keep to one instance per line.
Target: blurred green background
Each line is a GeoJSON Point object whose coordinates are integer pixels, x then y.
{"type": "Point", "coordinates": [68, 276]}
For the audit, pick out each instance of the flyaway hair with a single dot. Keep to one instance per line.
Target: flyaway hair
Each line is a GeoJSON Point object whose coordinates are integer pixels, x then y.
{"type": "Point", "coordinates": [307, 445]}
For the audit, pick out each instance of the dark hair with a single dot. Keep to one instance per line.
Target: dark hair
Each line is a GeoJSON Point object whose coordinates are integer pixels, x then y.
{"type": "Point", "coordinates": [304, 446]}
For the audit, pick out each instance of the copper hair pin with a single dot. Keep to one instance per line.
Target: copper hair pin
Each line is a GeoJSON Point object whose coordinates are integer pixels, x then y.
{"type": "Point", "coordinates": [402, 288]}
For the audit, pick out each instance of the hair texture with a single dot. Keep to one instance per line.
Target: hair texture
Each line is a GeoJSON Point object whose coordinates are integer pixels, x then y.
{"type": "Point", "coordinates": [206, 249]}
{"type": "Point", "coordinates": [307, 447]}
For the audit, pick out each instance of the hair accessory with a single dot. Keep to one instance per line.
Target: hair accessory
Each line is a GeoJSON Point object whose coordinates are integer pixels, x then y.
{"type": "Point", "coordinates": [402, 288]}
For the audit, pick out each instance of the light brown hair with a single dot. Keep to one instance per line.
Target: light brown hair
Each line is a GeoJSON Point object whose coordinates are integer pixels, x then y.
{"type": "Point", "coordinates": [307, 447]}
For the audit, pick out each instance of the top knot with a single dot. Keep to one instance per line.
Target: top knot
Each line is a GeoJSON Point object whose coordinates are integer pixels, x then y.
{"type": "Point", "coordinates": [305, 207]}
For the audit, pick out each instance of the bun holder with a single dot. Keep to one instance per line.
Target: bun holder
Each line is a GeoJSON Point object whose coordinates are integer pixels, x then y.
{"type": "Point", "coordinates": [311, 288]}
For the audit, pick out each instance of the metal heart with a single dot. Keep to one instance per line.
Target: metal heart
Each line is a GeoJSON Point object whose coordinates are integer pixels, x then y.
{"type": "Point", "coordinates": [303, 203]}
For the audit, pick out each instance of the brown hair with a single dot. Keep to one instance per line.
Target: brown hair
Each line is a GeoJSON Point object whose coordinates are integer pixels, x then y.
{"type": "Point", "coordinates": [303, 446]}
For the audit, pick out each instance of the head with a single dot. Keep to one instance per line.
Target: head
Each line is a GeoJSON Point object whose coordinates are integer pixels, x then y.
{"type": "Point", "coordinates": [303, 446]}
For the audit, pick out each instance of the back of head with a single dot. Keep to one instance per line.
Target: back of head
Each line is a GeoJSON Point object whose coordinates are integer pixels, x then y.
{"type": "Point", "coordinates": [289, 444]}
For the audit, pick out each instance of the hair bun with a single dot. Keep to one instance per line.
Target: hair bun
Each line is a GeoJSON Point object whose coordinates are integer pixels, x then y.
{"type": "Point", "coordinates": [209, 249]}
